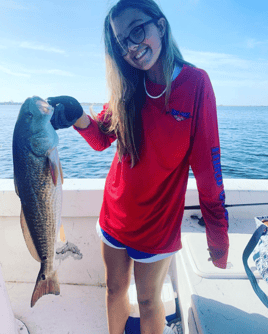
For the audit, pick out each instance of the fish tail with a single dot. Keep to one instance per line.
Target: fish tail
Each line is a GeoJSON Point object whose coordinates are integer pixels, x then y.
{"type": "Point", "coordinates": [45, 285]}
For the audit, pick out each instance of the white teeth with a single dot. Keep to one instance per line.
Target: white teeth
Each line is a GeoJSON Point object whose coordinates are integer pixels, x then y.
{"type": "Point", "coordinates": [139, 55]}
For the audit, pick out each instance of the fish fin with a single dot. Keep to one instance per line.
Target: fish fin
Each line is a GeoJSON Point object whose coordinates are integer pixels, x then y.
{"type": "Point", "coordinates": [53, 159]}
{"type": "Point", "coordinates": [45, 286]}
{"type": "Point", "coordinates": [28, 238]}
{"type": "Point", "coordinates": [62, 234]}
{"type": "Point", "coordinates": [61, 173]}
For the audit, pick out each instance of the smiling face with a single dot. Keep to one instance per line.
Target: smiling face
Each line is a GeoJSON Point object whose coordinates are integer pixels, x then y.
{"type": "Point", "coordinates": [143, 56]}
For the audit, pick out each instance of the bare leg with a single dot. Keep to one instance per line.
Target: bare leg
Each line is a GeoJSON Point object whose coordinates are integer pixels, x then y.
{"type": "Point", "coordinates": [149, 279]}
{"type": "Point", "coordinates": [118, 267]}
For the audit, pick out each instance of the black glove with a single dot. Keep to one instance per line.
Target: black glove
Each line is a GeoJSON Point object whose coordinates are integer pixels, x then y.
{"type": "Point", "coordinates": [67, 110]}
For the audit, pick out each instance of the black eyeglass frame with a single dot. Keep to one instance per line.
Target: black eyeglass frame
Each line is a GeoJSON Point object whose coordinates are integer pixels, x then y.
{"type": "Point", "coordinates": [120, 49]}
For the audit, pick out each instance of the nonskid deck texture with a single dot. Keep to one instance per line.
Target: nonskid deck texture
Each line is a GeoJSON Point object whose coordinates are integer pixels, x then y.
{"type": "Point", "coordinates": [77, 310]}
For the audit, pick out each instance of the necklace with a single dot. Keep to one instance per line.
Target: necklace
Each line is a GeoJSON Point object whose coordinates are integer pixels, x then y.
{"type": "Point", "coordinates": [155, 97]}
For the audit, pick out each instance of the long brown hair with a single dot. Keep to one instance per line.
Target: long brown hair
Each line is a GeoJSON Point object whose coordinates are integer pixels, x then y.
{"type": "Point", "coordinates": [126, 82]}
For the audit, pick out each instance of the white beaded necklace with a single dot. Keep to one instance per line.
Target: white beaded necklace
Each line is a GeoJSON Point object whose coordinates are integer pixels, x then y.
{"type": "Point", "coordinates": [155, 97]}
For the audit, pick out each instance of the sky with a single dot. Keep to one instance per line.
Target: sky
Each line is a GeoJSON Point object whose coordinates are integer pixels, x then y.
{"type": "Point", "coordinates": [56, 47]}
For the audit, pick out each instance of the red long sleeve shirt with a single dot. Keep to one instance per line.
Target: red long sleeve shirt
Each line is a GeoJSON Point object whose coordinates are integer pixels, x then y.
{"type": "Point", "coordinates": [143, 206]}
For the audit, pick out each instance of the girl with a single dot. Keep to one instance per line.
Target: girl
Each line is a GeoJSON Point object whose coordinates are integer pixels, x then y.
{"type": "Point", "coordinates": [162, 112]}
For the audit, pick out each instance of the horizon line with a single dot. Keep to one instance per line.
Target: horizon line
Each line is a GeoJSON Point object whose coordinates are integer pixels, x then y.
{"type": "Point", "coordinates": [101, 103]}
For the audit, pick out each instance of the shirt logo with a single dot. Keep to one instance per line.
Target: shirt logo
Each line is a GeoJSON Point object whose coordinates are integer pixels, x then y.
{"type": "Point", "coordinates": [216, 161]}
{"type": "Point", "coordinates": [180, 115]}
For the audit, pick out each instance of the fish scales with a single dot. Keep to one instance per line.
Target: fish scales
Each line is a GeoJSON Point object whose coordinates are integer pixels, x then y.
{"type": "Point", "coordinates": [42, 209]}
{"type": "Point", "coordinates": [38, 183]}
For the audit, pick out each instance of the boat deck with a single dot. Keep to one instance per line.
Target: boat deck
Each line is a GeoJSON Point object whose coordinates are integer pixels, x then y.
{"type": "Point", "coordinates": [80, 307]}
{"type": "Point", "coordinates": [208, 305]}
{"type": "Point", "coordinates": [77, 310]}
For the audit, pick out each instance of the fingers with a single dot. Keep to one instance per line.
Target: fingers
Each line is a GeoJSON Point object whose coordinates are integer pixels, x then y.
{"type": "Point", "coordinates": [63, 99]}
{"type": "Point", "coordinates": [67, 110]}
{"type": "Point", "coordinates": [52, 101]}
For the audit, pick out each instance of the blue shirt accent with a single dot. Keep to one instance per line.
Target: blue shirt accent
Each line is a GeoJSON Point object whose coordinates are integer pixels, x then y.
{"type": "Point", "coordinates": [177, 71]}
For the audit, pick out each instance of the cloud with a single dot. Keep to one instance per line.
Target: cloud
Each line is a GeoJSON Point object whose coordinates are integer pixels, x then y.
{"type": "Point", "coordinates": [40, 47]}
{"type": "Point", "coordinates": [10, 72]}
{"type": "Point", "coordinates": [187, 4]}
{"type": "Point", "coordinates": [49, 72]}
{"type": "Point", "coordinates": [252, 43]}
{"type": "Point", "coordinates": [194, 2]}
{"type": "Point", "coordinates": [16, 70]}
{"type": "Point", "coordinates": [60, 72]}
{"type": "Point", "coordinates": [10, 4]}
{"type": "Point", "coordinates": [227, 70]}
{"type": "Point", "coordinates": [214, 60]}
{"type": "Point", "coordinates": [30, 45]}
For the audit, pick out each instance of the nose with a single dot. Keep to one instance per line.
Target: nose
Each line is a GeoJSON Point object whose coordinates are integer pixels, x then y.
{"type": "Point", "coordinates": [132, 46]}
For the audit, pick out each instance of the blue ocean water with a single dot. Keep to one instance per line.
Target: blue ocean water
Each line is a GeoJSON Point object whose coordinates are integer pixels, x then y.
{"type": "Point", "coordinates": [243, 136]}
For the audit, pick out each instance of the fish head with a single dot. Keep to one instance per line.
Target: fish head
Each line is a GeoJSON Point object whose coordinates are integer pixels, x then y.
{"type": "Point", "coordinates": [35, 113]}
{"type": "Point", "coordinates": [33, 130]}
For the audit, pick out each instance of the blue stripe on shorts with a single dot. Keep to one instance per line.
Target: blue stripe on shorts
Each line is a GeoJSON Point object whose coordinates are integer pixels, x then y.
{"type": "Point", "coordinates": [133, 253]}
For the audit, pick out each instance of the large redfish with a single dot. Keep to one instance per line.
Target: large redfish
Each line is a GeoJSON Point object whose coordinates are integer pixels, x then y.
{"type": "Point", "coordinates": [38, 183]}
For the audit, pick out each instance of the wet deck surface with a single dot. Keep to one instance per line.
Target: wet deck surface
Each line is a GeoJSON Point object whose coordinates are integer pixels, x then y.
{"type": "Point", "coordinates": [77, 310]}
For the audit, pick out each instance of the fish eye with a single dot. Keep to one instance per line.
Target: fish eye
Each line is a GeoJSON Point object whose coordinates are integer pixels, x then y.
{"type": "Point", "coordinates": [29, 114]}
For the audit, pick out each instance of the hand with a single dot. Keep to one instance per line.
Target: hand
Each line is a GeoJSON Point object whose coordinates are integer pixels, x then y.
{"type": "Point", "coordinates": [218, 258]}
{"type": "Point", "coordinates": [67, 110]}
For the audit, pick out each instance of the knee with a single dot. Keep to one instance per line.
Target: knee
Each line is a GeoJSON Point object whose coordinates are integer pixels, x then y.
{"type": "Point", "coordinates": [115, 289]}
{"type": "Point", "coordinates": [149, 302]}
{"type": "Point", "coordinates": [146, 303]}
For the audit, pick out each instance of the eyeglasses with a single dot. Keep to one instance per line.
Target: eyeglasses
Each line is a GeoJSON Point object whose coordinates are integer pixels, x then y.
{"type": "Point", "coordinates": [136, 36]}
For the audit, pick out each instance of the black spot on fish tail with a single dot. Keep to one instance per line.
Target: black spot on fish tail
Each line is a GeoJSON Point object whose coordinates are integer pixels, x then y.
{"type": "Point", "coordinates": [45, 285]}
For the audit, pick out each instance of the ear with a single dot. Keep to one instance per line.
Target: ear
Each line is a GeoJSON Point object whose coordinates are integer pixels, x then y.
{"type": "Point", "coordinates": [161, 26]}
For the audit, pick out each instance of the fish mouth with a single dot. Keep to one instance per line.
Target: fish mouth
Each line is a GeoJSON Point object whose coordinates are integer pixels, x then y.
{"type": "Point", "coordinates": [44, 107]}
